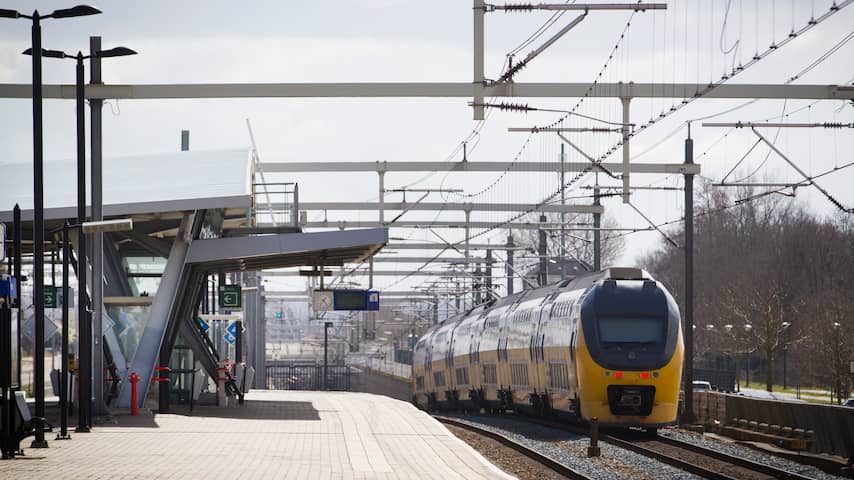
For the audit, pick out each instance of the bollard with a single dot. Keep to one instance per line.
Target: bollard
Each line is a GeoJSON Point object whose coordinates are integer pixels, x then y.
{"type": "Point", "coordinates": [134, 402]}
{"type": "Point", "coordinates": [593, 449]}
{"type": "Point", "coordinates": [221, 393]}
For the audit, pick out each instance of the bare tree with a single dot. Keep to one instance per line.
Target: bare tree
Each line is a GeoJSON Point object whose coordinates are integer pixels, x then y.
{"type": "Point", "coordinates": [769, 265]}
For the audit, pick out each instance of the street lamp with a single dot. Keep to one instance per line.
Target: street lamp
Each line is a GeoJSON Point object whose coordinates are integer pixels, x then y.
{"type": "Point", "coordinates": [747, 329]}
{"type": "Point", "coordinates": [38, 200]}
{"type": "Point", "coordinates": [83, 313]}
{"type": "Point", "coordinates": [87, 227]}
{"type": "Point", "coordinates": [785, 326]}
{"type": "Point", "coordinates": [837, 367]}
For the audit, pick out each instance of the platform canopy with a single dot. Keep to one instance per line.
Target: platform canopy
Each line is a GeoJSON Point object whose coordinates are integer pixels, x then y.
{"type": "Point", "coordinates": [259, 252]}
{"type": "Point", "coordinates": [136, 185]}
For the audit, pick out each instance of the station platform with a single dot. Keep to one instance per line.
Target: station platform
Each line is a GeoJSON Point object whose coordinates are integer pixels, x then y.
{"type": "Point", "coordinates": [275, 434]}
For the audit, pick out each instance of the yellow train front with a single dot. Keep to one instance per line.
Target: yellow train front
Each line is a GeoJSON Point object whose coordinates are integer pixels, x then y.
{"type": "Point", "coordinates": [628, 353]}
{"type": "Point", "coordinates": [604, 344]}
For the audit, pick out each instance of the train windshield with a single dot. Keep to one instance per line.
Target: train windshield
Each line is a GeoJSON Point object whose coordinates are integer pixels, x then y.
{"type": "Point", "coordinates": [631, 329]}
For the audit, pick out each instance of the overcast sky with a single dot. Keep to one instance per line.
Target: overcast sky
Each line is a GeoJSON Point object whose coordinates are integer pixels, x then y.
{"type": "Point", "coordinates": [400, 40]}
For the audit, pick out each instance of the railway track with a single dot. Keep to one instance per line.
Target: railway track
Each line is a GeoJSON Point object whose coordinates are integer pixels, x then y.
{"type": "Point", "coordinates": [702, 461]}
{"type": "Point", "coordinates": [689, 457]}
{"type": "Point", "coordinates": [538, 457]}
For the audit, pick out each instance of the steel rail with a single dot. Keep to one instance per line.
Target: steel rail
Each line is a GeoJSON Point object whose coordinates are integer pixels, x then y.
{"type": "Point", "coordinates": [740, 461]}
{"type": "Point", "coordinates": [551, 464]}
{"type": "Point", "coordinates": [634, 446]}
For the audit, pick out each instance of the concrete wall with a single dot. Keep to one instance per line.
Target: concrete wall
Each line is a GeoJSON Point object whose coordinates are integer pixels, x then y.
{"type": "Point", "coordinates": [833, 425]}
{"type": "Point", "coordinates": [380, 383]}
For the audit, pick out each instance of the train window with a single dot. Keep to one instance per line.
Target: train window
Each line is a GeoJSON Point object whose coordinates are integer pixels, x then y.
{"type": "Point", "coordinates": [462, 376]}
{"type": "Point", "coordinates": [558, 377]}
{"type": "Point", "coordinates": [490, 376]}
{"type": "Point", "coordinates": [631, 329]}
{"type": "Point", "coordinates": [439, 379]}
{"type": "Point", "coordinates": [519, 374]}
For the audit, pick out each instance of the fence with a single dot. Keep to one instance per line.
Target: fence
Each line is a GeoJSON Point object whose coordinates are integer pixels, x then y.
{"type": "Point", "coordinates": [308, 377]}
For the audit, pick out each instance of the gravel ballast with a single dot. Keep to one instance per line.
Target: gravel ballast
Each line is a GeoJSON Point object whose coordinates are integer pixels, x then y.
{"type": "Point", "coordinates": [571, 450]}
{"type": "Point", "coordinates": [747, 453]}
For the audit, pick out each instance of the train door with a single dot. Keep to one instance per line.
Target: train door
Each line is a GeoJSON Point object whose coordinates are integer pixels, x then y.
{"type": "Point", "coordinates": [449, 367]}
{"type": "Point", "coordinates": [503, 366]}
{"type": "Point", "coordinates": [539, 373]}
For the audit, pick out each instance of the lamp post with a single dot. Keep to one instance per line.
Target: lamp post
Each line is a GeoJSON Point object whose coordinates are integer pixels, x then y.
{"type": "Point", "coordinates": [837, 366]}
{"type": "Point", "coordinates": [122, 225]}
{"type": "Point", "coordinates": [84, 420]}
{"type": "Point", "coordinates": [785, 328]}
{"type": "Point", "coordinates": [38, 200]}
{"type": "Point", "coordinates": [747, 329]}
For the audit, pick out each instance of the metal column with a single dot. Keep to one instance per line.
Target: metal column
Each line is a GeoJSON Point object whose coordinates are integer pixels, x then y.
{"type": "Point", "coordinates": [562, 214]}
{"type": "Point", "coordinates": [543, 276]}
{"type": "Point", "coordinates": [688, 414]}
{"type": "Point", "coordinates": [597, 234]}
{"type": "Point", "coordinates": [625, 130]}
{"type": "Point", "coordinates": [63, 367]}
{"type": "Point", "coordinates": [38, 234]}
{"type": "Point", "coordinates": [96, 105]}
{"type": "Point", "coordinates": [16, 241]}
{"type": "Point", "coordinates": [508, 267]}
{"type": "Point", "coordinates": [381, 200]}
{"type": "Point", "coordinates": [478, 79]}
{"type": "Point", "coordinates": [84, 319]}
{"type": "Point", "coordinates": [489, 293]}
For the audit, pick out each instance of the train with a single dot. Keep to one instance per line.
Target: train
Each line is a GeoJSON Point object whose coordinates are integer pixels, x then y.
{"type": "Point", "coordinates": [605, 345]}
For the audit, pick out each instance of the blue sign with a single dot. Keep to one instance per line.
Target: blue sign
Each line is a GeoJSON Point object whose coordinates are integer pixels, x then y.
{"type": "Point", "coordinates": [232, 329]}
{"type": "Point", "coordinates": [373, 300]}
{"type": "Point", "coordinates": [205, 326]}
{"type": "Point", "coordinates": [8, 288]}
{"type": "Point", "coordinates": [356, 300]}
{"type": "Point", "coordinates": [228, 337]}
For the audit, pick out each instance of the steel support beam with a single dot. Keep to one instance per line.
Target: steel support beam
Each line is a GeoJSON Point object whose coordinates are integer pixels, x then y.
{"type": "Point", "coordinates": [688, 379]}
{"type": "Point", "coordinates": [344, 224]}
{"type": "Point", "coordinates": [637, 6]}
{"type": "Point", "coordinates": [626, 102]}
{"type": "Point", "coordinates": [478, 79]}
{"type": "Point", "coordinates": [380, 273]}
{"type": "Point", "coordinates": [456, 260]}
{"type": "Point", "coordinates": [434, 90]}
{"type": "Point", "coordinates": [443, 246]}
{"type": "Point", "coordinates": [493, 167]}
{"type": "Point", "coordinates": [444, 207]}
{"type": "Point", "coordinates": [147, 352]}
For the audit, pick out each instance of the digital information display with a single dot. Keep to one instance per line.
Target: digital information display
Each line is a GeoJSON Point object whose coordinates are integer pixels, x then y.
{"type": "Point", "coordinates": [352, 300]}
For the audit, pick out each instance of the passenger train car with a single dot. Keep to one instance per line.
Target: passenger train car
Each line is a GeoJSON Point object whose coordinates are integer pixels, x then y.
{"type": "Point", "coordinates": [605, 344]}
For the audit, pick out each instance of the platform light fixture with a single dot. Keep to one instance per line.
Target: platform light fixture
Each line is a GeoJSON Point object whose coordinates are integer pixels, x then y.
{"type": "Point", "coordinates": [38, 200]}
{"type": "Point", "coordinates": [84, 419]}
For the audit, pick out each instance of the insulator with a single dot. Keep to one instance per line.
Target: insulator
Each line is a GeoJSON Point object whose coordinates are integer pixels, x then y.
{"type": "Point", "coordinates": [508, 75]}
{"type": "Point", "coordinates": [517, 107]}
{"type": "Point", "coordinates": [520, 7]}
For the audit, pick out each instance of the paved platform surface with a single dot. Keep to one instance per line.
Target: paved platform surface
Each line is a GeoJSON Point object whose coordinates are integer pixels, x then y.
{"type": "Point", "coordinates": [275, 434]}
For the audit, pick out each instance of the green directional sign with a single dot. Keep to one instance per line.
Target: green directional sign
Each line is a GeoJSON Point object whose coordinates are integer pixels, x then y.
{"type": "Point", "coordinates": [230, 297]}
{"type": "Point", "coordinates": [51, 297]}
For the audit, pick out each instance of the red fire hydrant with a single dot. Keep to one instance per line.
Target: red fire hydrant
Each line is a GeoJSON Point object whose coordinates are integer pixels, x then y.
{"type": "Point", "coordinates": [134, 403]}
